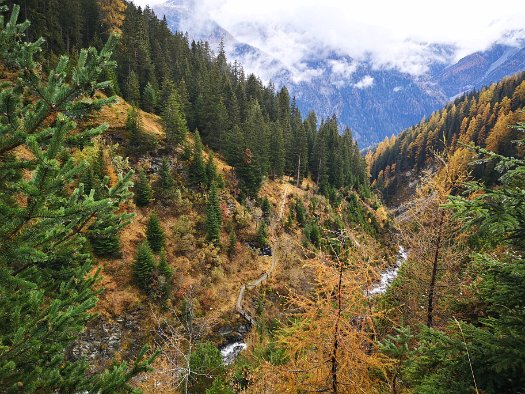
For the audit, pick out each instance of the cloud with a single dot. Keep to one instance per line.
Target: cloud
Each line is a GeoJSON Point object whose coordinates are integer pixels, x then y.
{"type": "Point", "coordinates": [366, 82]}
{"type": "Point", "coordinates": [407, 35]}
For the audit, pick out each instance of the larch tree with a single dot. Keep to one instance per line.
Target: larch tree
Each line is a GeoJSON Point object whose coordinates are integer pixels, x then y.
{"type": "Point", "coordinates": [113, 14]}
{"type": "Point", "coordinates": [46, 283]}
{"type": "Point", "coordinates": [436, 252]}
{"type": "Point", "coordinates": [328, 342]}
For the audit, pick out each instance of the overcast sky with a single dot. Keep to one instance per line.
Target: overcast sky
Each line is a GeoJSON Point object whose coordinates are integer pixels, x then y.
{"type": "Point", "coordinates": [396, 34]}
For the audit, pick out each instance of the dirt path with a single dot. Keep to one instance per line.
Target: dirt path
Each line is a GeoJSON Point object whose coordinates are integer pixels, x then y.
{"type": "Point", "coordinates": [256, 282]}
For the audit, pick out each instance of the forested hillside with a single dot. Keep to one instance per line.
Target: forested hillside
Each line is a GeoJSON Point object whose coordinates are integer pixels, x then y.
{"type": "Point", "coordinates": [170, 225]}
{"type": "Point", "coordinates": [482, 118]}
{"type": "Point", "coordinates": [162, 72]}
{"type": "Point", "coordinates": [105, 271]}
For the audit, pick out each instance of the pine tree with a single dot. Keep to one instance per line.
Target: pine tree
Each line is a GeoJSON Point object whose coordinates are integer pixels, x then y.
{"type": "Point", "coordinates": [155, 233]}
{"type": "Point", "coordinates": [197, 167]}
{"type": "Point", "coordinates": [99, 165]}
{"type": "Point", "coordinates": [104, 236]}
{"type": "Point", "coordinates": [47, 284]}
{"type": "Point", "coordinates": [143, 267]}
{"type": "Point", "coordinates": [143, 192]}
{"type": "Point", "coordinates": [213, 215]}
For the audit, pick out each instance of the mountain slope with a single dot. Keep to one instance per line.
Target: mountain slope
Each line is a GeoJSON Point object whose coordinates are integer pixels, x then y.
{"type": "Point", "coordinates": [336, 84]}
{"type": "Point", "coordinates": [483, 119]}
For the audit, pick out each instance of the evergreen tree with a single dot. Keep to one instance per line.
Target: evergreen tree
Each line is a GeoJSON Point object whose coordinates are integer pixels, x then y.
{"type": "Point", "coordinates": [166, 181]}
{"type": "Point", "coordinates": [249, 174]}
{"type": "Point", "coordinates": [137, 140]}
{"type": "Point", "coordinates": [174, 120]}
{"type": "Point", "coordinates": [143, 267]}
{"type": "Point", "coordinates": [197, 167]}
{"type": "Point", "coordinates": [46, 282]}
{"type": "Point", "coordinates": [104, 236]}
{"type": "Point", "coordinates": [232, 246]}
{"type": "Point", "coordinates": [143, 192]}
{"type": "Point", "coordinates": [165, 276]}
{"type": "Point", "coordinates": [211, 169]}
{"type": "Point", "coordinates": [266, 208]}
{"type": "Point", "coordinates": [99, 165]}
{"type": "Point", "coordinates": [206, 365]}
{"type": "Point", "coordinates": [277, 151]}
{"type": "Point", "coordinates": [133, 88]}
{"type": "Point", "coordinates": [262, 234]}
{"type": "Point", "coordinates": [213, 215]}
{"type": "Point", "coordinates": [300, 213]}
{"type": "Point", "coordinates": [151, 98]}
{"type": "Point", "coordinates": [155, 233]}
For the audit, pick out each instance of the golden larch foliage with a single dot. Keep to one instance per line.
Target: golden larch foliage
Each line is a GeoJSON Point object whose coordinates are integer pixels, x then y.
{"type": "Point", "coordinates": [113, 14]}
{"type": "Point", "coordinates": [329, 343]}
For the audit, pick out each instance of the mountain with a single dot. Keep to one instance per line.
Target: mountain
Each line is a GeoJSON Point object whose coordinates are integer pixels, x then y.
{"type": "Point", "coordinates": [374, 102]}
{"type": "Point", "coordinates": [480, 69]}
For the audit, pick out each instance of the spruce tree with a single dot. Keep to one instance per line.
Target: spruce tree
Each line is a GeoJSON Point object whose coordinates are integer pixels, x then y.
{"type": "Point", "coordinates": [133, 88]}
{"type": "Point", "coordinates": [300, 212]}
{"type": "Point", "coordinates": [211, 169]}
{"type": "Point", "coordinates": [47, 285]}
{"type": "Point", "coordinates": [266, 208]}
{"type": "Point", "coordinates": [155, 233]}
{"type": "Point", "coordinates": [143, 192]}
{"type": "Point", "coordinates": [143, 267]}
{"type": "Point", "coordinates": [197, 167]}
{"type": "Point", "coordinates": [165, 277]}
{"type": "Point", "coordinates": [213, 215]}
{"type": "Point", "coordinates": [174, 120]}
{"type": "Point", "coordinates": [150, 98]}
{"type": "Point", "coordinates": [136, 137]}
{"type": "Point", "coordinates": [166, 181]}
{"type": "Point", "coordinates": [262, 234]}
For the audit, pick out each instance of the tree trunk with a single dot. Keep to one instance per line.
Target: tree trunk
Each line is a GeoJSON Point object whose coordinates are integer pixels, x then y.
{"type": "Point", "coordinates": [336, 330]}
{"type": "Point", "coordinates": [430, 308]}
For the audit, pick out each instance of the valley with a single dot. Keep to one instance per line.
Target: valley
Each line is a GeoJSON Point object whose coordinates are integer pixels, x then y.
{"type": "Point", "coordinates": [172, 223]}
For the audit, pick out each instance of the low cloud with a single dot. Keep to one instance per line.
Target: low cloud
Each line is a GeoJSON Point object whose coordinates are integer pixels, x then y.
{"type": "Point", "coordinates": [366, 82]}
{"type": "Point", "coordinates": [406, 35]}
